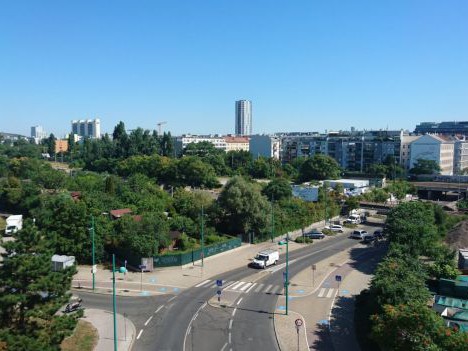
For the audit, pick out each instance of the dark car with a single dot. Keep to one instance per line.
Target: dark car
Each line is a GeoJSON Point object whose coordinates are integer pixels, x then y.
{"type": "Point", "coordinates": [315, 234]}
{"type": "Point", "coordinates": [368, 239]}
{"type": "Point", "coordinates": [378, 234]}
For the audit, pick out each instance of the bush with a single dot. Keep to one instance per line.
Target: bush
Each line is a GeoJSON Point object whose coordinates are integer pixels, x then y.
{"type": "Point", "coordinates": [349, 225]}
{"type": "Point", "coordinates": [302, 240]}
{"type": "Point", "coordinates": [328, 232]}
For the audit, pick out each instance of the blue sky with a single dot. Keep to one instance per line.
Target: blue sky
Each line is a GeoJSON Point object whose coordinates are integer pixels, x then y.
{"type": "Point", "coordinates": [306, 65]}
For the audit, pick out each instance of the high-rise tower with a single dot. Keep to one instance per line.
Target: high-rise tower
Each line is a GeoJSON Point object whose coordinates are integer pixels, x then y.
{"type": "Point", "coordinates": [243, 117]}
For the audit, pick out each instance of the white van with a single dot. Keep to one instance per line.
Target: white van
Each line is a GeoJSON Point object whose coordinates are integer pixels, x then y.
{"type": "Point", "coordinates": [265, 258]}
{"type": "Point", "coordinates": [354, 219]}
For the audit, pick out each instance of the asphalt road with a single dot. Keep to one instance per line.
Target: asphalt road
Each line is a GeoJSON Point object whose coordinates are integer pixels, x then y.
{"type": "Point", "coordinates": [185, 322]}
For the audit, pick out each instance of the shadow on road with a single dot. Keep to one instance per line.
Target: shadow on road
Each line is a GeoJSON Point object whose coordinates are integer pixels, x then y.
{"type": "Point", "coordinates": [322, 339]}
{"type": "Point", "coordinates": [342, 324]}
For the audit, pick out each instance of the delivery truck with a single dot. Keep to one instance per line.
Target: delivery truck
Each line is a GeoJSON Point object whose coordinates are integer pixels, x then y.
{"type": "Point", "coordinates": [13, 224]}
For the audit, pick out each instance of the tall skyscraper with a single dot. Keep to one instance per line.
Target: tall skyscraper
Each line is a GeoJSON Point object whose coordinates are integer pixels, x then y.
{"type": "Point", "coordinates": [243, 117]}
{"type": "Point", "coordinates": [90, 128]}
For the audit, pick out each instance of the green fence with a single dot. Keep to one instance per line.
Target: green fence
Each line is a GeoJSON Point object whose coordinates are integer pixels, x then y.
{"type": "Point", "coordinates": [195, 255]}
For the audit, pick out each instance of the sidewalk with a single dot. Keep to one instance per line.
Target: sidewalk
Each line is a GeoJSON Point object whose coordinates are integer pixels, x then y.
{"type": "Point", "coordinates": [326, 307]}
{"type": "Point", "coordinates": [174, 279]}
{"type": "Point", "coordinates": [103, 322]}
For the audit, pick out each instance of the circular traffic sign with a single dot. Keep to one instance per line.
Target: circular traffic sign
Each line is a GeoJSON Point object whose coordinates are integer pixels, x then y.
{"type": "Point", "coordinates": [298, 322]}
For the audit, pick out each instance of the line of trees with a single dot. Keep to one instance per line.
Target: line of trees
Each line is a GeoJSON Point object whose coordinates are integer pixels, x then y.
{"type": "Point", "coordinates": [396, 304]}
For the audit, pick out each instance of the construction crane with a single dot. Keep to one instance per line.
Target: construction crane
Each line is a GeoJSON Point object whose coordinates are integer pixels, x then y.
{"type": "Point", "coordinates": [159, 126]}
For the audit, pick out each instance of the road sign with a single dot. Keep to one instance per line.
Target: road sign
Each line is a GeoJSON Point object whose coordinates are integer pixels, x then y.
{"type": "Point", "coordinates": [338, 278]}
{"type": "Point", "coordinates": [218, 292]}
{"type": "Point", "coordinates": [298, 322]}
{"type": "Point", "coordinates": [314, 267]}
{"type": "Point", "coordinates": [142, 266]}
{"type": "Point", "coordinates": [94, 269]}
{"type": "Point", "coordinates": [219, 282]}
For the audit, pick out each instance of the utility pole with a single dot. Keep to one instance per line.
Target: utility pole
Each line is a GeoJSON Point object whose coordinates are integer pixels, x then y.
{"type": "Point", "coordinates": [202, 238]}
{"type": "Point", "coordinates": [114, 304]}
{"type": "Point", "coordinates": [272, 220]}
{"type": "Point", "coordinates": [286, 278]}
{"type": "Point", "coordinates": [326, 201]}
{"type": "Point", "coordinates": [93, 269]}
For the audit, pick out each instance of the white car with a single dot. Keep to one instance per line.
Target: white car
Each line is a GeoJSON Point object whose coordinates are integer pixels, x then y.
{"type": "Point", "coordinates": [358, 234]}
{"type": "Point", "coordinates": [335, 228]}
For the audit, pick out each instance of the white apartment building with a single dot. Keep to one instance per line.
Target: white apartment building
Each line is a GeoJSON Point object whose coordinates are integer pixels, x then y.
{"type": "Point", "coordinates": [460, 161]}
{"type": "Point", "coordinates": [434, 147]}
{"type": "Point", "coordinates": [38, 133]}
{"type": "Point", "coordinates": [265, 145]}
{"type": "Point", "coordinates": [405, 150]}
{"type": "Point", "coordinates": [87, 128]}
{"type": "Point", "coordinates": [181, 142]}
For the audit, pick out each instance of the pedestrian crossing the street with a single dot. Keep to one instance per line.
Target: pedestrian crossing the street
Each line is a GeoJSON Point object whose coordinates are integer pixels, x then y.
{"type": "Point", "coordinates": [242, 287]}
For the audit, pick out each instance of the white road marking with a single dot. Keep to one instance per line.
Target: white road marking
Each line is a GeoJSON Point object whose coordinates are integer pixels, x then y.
{"type": "Point", "coordinates": [139, 334]}
{"type": "Point", "coordinates": [238, 302]}
{"type": "Point", "coordinates": [190, 324]}
{"type": "Point", "coordinates": [159, 309]}
{"type": "Point", "coordinates": [229, 337]}
{"type": "Point", "coordinates": [202, 283]}
{"type": "Point", "coordinates": [230, 324]}
{"type": "Point", "coordinates": [250, 288]}
{"type": "Point", "coordinates": [231, 284]}
{"type": "Point", "coordinates": [237, 285]}
{"type": "Point", "coordinates": [172, 298]}
{"type": "Point", "coordinates": [322, 292]}
{"type": "Point", "coordinates": [149, 319]}
{"type": "Point", "coordinates": [246, 286]}
{"type": "Point", "coordinates": [268, 288]}
{"type": "Point", "coordinates": [275, 289]}
{"type": "Point", "coordinates": [259, 288]}
{"type": "Point", "coordinates": [234, 311]}
{"type": "Point", "coordinates": [330, 292]}
{"type": "Point", "coordinates": [331, 309]}
{"type": "Point", "coordinates": [226, 344]}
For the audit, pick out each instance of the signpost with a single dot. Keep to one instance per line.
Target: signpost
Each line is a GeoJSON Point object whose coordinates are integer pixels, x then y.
{"type": "Point", "coordinates": [298, 322]}
{"type": "Point", "coordinates": [219, 282]}
{"type": "Point", "coordinates": [142, 267]}
{"type": "Point", "coordinates": [338, 279]}
{"type": "Point", "coordinates": [219, 295]}
{"type": "Point", "coordinates": [314, 268]}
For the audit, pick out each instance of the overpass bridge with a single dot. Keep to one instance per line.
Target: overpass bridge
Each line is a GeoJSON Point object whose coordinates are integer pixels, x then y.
{"type": "Point", "coordinates": [441, 190]}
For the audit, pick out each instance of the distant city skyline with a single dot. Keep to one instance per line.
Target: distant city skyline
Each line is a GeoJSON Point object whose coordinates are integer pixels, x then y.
{"type": "Point", "coordinates": [305, 65]}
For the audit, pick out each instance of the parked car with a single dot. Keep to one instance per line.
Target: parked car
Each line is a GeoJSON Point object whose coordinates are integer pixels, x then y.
{"type": "Point", "coordinates": [315, 234]}
{"type": "Point", "coordinates": [335, 228]}
{"type": "Point", "coordinates": [367, 239]}
{"type": "Point", "coordinates": [358, 234]}
{"type": "Point", "coordinates": [353, 219]}
{"type": "Point", "coordinates": [265, 258]}
{"type": "Point", "coordinates": [378, 234]}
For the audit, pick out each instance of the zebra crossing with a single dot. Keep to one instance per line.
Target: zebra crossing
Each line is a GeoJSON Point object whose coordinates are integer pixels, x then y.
{"type": "Point", "coordinates": [242, 287]}
{"type": "Point", "coordinates": [326, 292]}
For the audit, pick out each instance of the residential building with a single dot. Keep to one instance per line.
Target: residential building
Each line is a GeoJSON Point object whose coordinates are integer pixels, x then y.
{"type": "Point", "coordinates": [243, 117]}
{"type": "Point", "coordinates": [449, 128]}
{"type": "Point", "coordinates": [182, 141]}
{"type": "Point", "coordinates": [405, 150]}
{"type": "Point", "coordinates": [61, 145]}
{"type": "Point", "coordinates": [12, 137]}
{"type": "Point", "coordinates": [38, 133]}
{"type": "Point", "coordinates": [236, 143]}
{"type": "Point", "coordinates": [265, 145]}
{"type": "Point", "coordinates": [434, 147]}
{"type": "Point", "coordinates": [352, 150]}
{"type": "Point", "coordinates": [460, 161]}
{"type": "Point", "coordinates": [89, 128]}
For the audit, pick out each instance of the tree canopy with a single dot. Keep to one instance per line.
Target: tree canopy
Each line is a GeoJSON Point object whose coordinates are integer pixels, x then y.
{"type": "Point", "coordinates": [319, 167]}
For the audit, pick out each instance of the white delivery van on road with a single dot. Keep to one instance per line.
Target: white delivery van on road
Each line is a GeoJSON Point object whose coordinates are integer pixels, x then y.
{"type": "Point", "coordinates": [265, 258]}
{"type": "Point", "coordinates": [13, 224]}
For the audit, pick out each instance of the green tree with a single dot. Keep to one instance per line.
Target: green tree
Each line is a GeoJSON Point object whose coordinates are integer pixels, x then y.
{"type": "Point", "coordinates": [278, 189]}
{"type": "Point", "coordinates": [425, 167]}
{"type": "Point", "coordinates": [242, 207]}
{"type": "Point", "coordinates": [31, 293]}
{"type": "Point", "coordinates": [319, 167]}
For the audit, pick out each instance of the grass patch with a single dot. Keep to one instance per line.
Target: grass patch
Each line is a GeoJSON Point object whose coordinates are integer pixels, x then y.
{"type": "Point", "coordinates": [349, 225]}
{"type": "Point", "coordinates": [301, 240]}
{"type": "Point", "coordinates": [328, 232]}
{"type": "Point", "coordinates": [84, 338]}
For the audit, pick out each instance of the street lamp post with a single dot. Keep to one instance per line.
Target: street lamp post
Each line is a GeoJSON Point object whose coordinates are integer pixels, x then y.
{"type": "Point", "coordinates": [286, 280]}
{"type": "Point", "coordinates": [114, 303]}
{"type": "Point", "coordinates": [272, 219]}
{"type": "Point", "coordinates": [202, 238]}
{"type": "Point", "coordinates": [93, 270]}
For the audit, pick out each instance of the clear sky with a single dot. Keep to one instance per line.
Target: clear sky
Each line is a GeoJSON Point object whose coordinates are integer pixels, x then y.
{"type": "Point", "coordinates": [307, 65]}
